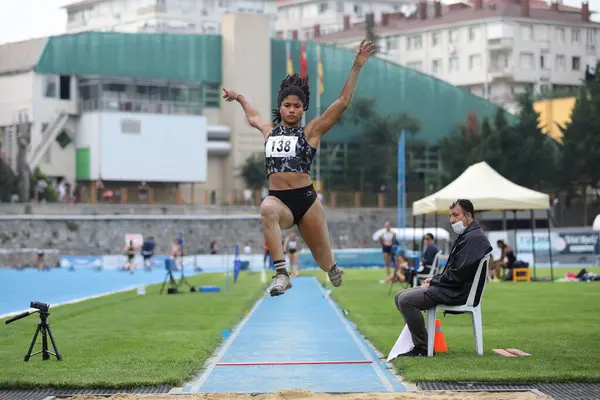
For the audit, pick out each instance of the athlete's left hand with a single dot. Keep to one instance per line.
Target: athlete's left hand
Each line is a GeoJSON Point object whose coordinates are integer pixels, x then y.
{"type": "Point", "coordinates": [365, 50]}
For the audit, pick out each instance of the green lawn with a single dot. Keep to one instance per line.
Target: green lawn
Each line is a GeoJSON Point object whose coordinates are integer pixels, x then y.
{"type": "Point", "coordinates": [558, 323]}
{"type": "Point", "coordinates": [127, 340]}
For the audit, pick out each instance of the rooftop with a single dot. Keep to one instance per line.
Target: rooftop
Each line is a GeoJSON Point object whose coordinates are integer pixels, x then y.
{"type": "Point", "coordinates": [460, 13]}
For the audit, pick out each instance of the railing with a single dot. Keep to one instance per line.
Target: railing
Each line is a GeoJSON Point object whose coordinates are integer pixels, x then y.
{"type": "Point", "coordinates": [48, 135]}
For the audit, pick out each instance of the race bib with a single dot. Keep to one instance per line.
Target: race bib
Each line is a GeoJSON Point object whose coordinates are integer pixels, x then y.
{"type": "Point", "coordinates": [281, 146]}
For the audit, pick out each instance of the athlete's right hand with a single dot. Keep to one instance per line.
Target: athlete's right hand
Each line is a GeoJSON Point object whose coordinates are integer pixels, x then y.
{"type": "Point", "coordinates": [230, 95]}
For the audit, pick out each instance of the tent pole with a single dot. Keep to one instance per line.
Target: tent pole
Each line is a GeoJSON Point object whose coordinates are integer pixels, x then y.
{"type": "Point", "coordinates": [414, 231]}
{"type": "Point", "coordinates": [533, 240]}
{"type": "Point", "coordinates": [422, 230]}
{"type": "Point", "coordinates": [515, 228]}
{"type": "Point", "coordinates": [550, 246]}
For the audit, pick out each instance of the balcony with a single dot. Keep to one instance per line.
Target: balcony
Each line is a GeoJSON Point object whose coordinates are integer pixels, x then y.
{"type": "Point", "coordinates": [498, 72]}
{"type": "Point", "coordinates": [505, 43]}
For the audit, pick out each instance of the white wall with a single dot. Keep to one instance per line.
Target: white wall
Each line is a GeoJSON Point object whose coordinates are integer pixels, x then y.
{"type": "Point", "coordinates": [168, 148]}
{"type": "Point", "coordinates": [15, 94]}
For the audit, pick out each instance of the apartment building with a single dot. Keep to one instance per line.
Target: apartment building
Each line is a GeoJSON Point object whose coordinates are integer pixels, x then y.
{"type": "Point", "coordinates": [296, 19]}
{"type": "Point", "coordinates": [160, 16]}
{"type": "Point", "coordinates": [495, 49]}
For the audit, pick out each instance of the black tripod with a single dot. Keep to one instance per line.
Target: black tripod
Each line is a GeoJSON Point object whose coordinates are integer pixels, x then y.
{"type": "Point", "coordinates": [174, 285]}
{"type": "Point", "coordinates": [42, 327]}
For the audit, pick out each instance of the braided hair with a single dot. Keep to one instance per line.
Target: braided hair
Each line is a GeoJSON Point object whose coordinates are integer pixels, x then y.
{"type": "Point", "coordinates": [292, 85]}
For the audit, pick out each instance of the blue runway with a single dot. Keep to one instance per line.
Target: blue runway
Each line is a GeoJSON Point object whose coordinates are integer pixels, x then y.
{"type": "Point", "coordinates": [302, 326]}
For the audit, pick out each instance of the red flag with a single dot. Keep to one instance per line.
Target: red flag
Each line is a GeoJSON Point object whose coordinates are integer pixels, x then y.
{"type": "Point", "coordinates": [303, 61]}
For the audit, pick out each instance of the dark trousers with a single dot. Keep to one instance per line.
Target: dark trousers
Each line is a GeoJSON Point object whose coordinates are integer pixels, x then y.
{"type": "Point", "coordinates": [410, 303]}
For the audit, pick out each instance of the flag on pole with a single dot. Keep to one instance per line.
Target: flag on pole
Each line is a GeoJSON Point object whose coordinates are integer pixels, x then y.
{"type": "Point", "coordinates": [320, 72]}
{"type": "Point", "coordinates": [303, 60]}
{"type": "Point", "coordinates": [288, 54]}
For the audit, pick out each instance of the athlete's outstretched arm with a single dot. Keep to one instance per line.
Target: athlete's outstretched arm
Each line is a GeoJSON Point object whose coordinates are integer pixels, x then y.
{"type": "Point", "coordinates": [320, 125]}
{"type": "Point", "coordinates": [252, 115]}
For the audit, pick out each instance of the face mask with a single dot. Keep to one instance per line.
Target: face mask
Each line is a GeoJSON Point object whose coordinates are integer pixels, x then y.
{"type": "Point", "coordinates": [459, 227]}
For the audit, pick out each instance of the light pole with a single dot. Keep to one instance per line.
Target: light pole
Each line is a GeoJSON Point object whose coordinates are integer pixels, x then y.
{"type": "Point", "coordinates": [23, 128]}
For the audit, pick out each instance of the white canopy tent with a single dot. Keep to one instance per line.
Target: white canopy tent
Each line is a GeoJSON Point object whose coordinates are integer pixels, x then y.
{"type": "Point", "coordinates": [488, 191]}
{"type": "Point", "coordinates": [596, 225]}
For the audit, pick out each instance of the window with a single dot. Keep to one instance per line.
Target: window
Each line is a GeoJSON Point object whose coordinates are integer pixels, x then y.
{"type": "Point", "coordinates": [339, 6]}
{"type": "Point", "coordinates": [576, 63]}
{"type": "Point", "coordinates": [392, 42]}
{"type": "Point", "coordinates": [453, 36]}
{"type": "Point", "coordinates": [474, 33]}
{"type": "Point", "coordinates": [560, 62]}
{"type": "Point", "coordinates": [65, 87]}
{"type": "Point", "coordinates": [435, 39]}
{"type": "Point", "coordinates": [436, 67]}
{"type": "Point", "coordinates": [526, 60]}
{"type": "Point", "coordinates": [575, 35]}
{"type": "Point", "coordinates": [545, 60]}
{"type": "Point", "coordinates": [323, 7]}
{"type": "Point", "coordinates": [418, 65]}
{"type": "Point", "coordinates": [543, 32]}
{"type": "Point", "coordinates": [414, 42]}
{"type": "Point", "coordinates": [453, 64]}
{"type": "Point", "coordinates": [358, 11]}
{"type": "Point", "coordinates": [526, 32]}
{"type": "Point", "coordinates": [591, 35]}
{"type": "Point", "coordinates": [560, 35]}
{"type": "Point", "coordinates": [50, 86]}
{"type": "Point", "coordinates": [474, 61]}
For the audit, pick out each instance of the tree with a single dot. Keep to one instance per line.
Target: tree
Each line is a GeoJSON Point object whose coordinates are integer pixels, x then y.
{"type": "Point", "coordinates": [9, 182]}
{"type": "Point", "coordinates": [253, 171]}
{"type": "Point", "coordinates": [532, 156]}
{"type": "Point", "coordinates": [459, 149]}
{"type": "Point", "coordinates": [371, 158]}
{"type": "Point", "coordinates": [581, 147]}
{"type": "Point", "coordinates": [370, 32]}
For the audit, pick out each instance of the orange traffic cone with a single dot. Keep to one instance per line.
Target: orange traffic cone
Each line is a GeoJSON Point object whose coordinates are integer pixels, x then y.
{"type": "Point", "coordinates": [439, 342]}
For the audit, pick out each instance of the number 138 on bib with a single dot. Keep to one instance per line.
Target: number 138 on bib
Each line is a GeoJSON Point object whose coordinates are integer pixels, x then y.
{"type": "Point", "coordinates": [281, 146]}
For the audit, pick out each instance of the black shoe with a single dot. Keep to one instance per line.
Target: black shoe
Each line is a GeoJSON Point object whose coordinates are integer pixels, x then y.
{"type": "Point", "coordinates": [416, 352]}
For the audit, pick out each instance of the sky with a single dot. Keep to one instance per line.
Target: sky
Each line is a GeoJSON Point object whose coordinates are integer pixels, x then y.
{"type": "Point", "coordinates": [27, 19]}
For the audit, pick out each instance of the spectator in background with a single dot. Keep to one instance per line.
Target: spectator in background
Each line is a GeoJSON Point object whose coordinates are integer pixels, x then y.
{"type": "Point", "coordinates": [213, 247]}
{"type": "Point", "coordinates": [41, 186]}
{"type": "Point", "coordinates": [148, 252]}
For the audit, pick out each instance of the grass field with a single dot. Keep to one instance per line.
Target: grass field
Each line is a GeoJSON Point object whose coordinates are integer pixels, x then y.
{"type": "Point", "coordinates": [558, 323]}
{"type": "Point", "coordinates": [126, 339]}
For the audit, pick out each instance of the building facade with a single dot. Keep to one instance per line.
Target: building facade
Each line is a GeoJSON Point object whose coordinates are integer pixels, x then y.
{"type": "Point", "coordinates": [495, 50]}
{"type": "Point", "coordinates": [156, 16]}
{"type": "Point", "coordinates": [297, 19]}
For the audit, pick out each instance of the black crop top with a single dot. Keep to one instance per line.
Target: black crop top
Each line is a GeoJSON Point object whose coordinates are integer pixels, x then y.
{"type": "Point", "coordinates": [287, 150]}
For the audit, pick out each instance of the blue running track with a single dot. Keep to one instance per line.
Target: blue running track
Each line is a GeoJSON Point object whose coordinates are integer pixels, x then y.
{"type": "Point", "coordinates": [304, 330]}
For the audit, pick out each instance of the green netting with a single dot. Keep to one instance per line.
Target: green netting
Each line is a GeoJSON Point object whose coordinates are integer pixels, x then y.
{"type": "Point", "coordinates": [439, 105]}
{"type": "Point", "coordinates": [184, 58]}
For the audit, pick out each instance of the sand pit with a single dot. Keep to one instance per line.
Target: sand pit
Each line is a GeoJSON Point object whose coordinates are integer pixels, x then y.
{"type": "Point", "coordinates": [305, 395]}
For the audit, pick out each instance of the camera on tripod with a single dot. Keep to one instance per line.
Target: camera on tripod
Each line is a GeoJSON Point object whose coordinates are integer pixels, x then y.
{"type": "Point", "coordinates": [43, 307]}
{"type": "Point", "coordinates": [43, 327]}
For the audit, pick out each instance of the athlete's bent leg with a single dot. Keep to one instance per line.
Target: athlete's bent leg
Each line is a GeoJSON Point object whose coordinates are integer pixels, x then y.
{"type": "Point", "coordinates": [313, 229]}
{"type": "Point", "coordinates": [274, 216]}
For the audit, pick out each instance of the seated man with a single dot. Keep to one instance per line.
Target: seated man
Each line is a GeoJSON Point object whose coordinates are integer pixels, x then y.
{"type": "Point", "coordinates": [452, 286]}
{"type": "Point", "coordinates": [431, 249]}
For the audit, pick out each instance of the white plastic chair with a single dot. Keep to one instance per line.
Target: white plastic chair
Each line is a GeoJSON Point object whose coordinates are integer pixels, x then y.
{"type": "Point", "coordinates": [472, 306]}
{"type": "Point", "coordinates": [435, 267]}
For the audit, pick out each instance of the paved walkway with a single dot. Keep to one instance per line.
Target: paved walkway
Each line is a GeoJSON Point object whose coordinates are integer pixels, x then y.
{"type": "Point", "coordinates": [299, 340]}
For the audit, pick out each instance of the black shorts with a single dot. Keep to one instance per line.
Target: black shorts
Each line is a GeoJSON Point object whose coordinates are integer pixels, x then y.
{"type": "Point", "coordinates": [292, 251]}
{"type": "Point", "coordinates": [387, 249]}
{"type": "Point", "coordinates": [147, 256]}
{"type": "Point", "coordinates": [130, 257]}
{"type": "Point", "coordinates": [297, 200]}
